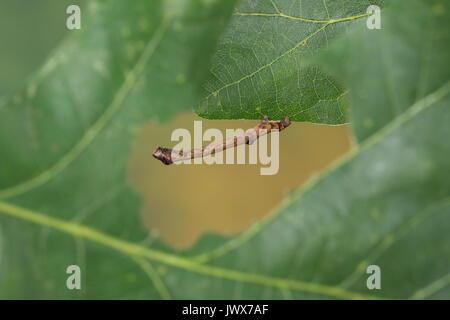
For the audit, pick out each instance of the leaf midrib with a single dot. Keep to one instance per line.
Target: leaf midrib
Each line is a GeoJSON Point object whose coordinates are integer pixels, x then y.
{"type": "Point", "coordinates": [295, 18]}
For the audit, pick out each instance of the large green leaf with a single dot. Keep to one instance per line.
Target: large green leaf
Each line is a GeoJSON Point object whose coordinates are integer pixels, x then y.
{"type": "Point", "coordinates": [386, 203]}
{"type": "Point", "coordinates": [262, 64]}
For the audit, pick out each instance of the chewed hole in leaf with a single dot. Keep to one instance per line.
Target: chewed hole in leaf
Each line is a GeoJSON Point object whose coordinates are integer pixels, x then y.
{"type": "Point", "coordinates": [181, 202]}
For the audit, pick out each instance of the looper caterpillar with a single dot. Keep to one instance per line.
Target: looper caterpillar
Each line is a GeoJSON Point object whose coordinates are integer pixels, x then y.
{"type": "Point", "coordinates": [169, 156]}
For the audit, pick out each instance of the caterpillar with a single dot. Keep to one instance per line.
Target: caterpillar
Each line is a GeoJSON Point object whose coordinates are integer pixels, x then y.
{"type": "Point", "coordinates": [169, 156]}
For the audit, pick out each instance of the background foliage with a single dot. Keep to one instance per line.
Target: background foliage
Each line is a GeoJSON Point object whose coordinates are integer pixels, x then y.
{"type": "Point", "coordinates": [65, 141]}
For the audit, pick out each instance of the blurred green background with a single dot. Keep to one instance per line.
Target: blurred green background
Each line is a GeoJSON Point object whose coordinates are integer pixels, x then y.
{"type": "Point", "coordinates": [29, 31]}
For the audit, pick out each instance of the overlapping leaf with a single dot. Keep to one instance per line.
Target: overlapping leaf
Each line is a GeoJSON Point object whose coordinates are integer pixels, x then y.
{"type": "Point", "coordinates": [262, 65]}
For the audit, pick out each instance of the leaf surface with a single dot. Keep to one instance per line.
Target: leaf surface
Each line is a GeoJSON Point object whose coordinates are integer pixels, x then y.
{"type": "Point", "coordinates": [263, 66]}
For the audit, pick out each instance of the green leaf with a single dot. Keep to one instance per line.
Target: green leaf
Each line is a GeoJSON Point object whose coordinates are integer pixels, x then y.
{"type": "Point", "coordinates": [262, 66]}
{"type": "Point", "coordinates": [386, 203]}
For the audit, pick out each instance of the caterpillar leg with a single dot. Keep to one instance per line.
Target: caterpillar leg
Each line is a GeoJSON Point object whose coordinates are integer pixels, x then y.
{"type": "Point", "coordinates": [285, 122]}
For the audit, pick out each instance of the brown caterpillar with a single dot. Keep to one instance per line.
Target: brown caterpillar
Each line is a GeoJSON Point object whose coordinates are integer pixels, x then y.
{"type": "Point", "coordinates": [169, 156]}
